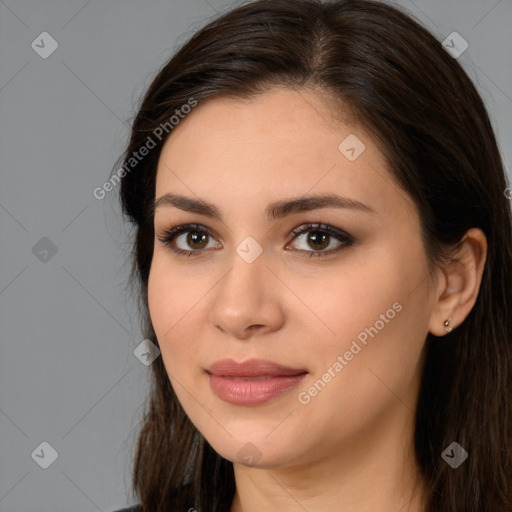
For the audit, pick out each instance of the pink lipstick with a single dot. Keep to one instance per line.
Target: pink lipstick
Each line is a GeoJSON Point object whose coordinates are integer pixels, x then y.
{"type": "Point", "coordinates": [252, 382]}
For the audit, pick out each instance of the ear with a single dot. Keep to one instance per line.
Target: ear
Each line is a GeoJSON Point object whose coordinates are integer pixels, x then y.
{"type": "Point", "coordinates": [459, 283]}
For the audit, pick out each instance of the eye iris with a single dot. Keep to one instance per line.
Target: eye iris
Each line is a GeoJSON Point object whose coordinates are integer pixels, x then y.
{"type": "Point", "coordinates": [319, 238]}
{"type": "Point", "coordinates": [195, 237]}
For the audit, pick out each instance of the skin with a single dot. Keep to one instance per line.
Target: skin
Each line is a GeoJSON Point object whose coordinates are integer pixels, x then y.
{"type": "Point", "coordinates": [351, 444]}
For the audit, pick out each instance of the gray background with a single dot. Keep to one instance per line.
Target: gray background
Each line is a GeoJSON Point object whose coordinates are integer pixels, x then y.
{"type": "Point", "coordinates": [68, 373]}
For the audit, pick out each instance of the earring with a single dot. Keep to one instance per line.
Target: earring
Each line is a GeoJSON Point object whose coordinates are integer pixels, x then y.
{"type": "Point", "coordinates": [447, 327]}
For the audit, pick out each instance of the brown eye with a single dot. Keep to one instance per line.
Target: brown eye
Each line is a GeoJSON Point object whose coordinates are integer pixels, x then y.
{"type": "Point", "coordinates": [318, 240]}
{"type": "Point", "coordinates": [196, 240]}
{"type": "Point", "coordinates": [317, 237]}
{"type": "Point", "coordinates": [189, 239]}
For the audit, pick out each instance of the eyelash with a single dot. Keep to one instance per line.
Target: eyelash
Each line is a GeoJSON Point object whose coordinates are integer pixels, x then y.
{"type": "Point", "coordinates": [174, 231]}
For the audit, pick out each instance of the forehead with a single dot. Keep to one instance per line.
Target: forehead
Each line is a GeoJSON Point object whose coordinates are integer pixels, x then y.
{"type": "Point", "coordinates": [279, 143]}
{"type": "Point", "coordinates": [273, 117]}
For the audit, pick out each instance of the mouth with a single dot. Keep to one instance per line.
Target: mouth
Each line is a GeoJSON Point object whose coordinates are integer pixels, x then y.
{"type": "Point", "coordinates": [252, 368]}
{"type": "Point", "coordinates": [252, 382]}
{"type": "Point", "coordinates": [259, 377]}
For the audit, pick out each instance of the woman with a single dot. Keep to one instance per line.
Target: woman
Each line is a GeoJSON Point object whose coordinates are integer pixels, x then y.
{"type": "Point", "coordinates": [323, 249]}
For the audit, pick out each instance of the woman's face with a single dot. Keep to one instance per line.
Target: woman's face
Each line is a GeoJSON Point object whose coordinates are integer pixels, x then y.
{"type": "Point", "coordinates": [344, 306]}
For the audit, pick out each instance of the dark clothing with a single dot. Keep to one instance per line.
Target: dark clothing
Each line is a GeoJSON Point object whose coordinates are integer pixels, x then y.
{"type": "Point", "coordinates": [178, 497]}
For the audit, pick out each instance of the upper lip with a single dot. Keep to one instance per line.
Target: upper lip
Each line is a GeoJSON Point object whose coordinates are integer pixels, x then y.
{"type": "Point", "coordinates": [251, 368]}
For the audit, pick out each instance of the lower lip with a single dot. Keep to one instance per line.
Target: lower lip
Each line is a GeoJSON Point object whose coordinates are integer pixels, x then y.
{"type": "Point", "coordinates": [252, 391]}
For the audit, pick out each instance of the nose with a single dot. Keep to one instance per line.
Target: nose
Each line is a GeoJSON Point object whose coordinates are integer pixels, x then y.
{"type": "Point", "coordinates": [247, 300]}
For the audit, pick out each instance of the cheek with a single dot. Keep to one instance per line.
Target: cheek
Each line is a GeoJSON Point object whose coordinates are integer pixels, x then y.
{"type": "Point", "coordinates": [353, 298]}
{"type": "Point", "coordinates": [176, 300]}
{"type": "Point", "coordinates": [170, 303]}
{"type": "Point", "coordinates": [377, 313]}
{"type": "Point", "coordinates": [161, 298]}
{"type": "Point", "coordinates": [171, 296]}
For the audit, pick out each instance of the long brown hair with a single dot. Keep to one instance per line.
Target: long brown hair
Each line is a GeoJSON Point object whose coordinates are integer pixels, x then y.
{"type": "Point", "coordinates": [433, 128]}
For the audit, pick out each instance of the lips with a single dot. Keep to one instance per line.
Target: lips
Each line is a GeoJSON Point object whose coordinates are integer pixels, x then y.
{"type": "Point", "coordinates": [252, 382]}
{"type": "Point", "coordinates": [252, 368]}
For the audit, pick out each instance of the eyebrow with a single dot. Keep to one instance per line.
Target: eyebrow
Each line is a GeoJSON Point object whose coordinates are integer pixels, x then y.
{"type": "Point", "coordinates": [274, 211]}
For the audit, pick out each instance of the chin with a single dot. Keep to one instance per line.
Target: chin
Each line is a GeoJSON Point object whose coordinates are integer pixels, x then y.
{"type": "Point", "coordinates": [255, 451]}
